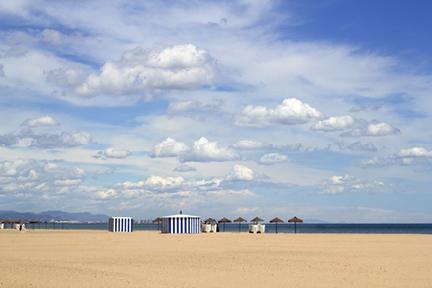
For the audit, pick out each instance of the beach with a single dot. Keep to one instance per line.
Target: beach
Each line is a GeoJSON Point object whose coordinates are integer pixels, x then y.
{"type": "Point", "coordinates": [150, 259]}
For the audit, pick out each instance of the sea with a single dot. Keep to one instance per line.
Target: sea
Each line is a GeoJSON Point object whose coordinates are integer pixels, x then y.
{"type": "Point", "coordinates": [270, 228]}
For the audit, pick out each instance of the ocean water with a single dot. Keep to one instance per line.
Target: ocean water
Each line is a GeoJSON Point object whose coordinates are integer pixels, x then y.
{"type": "Point", "coordinates": [270, 228]}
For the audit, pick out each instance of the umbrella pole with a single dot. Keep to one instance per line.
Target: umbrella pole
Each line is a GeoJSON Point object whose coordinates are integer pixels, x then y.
{"type": "Point", "coordinates": [276, 228]}
{"type": "Point", "coordinates": [295, 227]}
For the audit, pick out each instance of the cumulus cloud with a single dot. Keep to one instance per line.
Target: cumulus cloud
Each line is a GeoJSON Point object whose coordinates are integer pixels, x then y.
{"type": "Point", "coordinates": [415, 152]}
{"type": "Point", "coordinates": [169, 148]}
{"type": "Point", "coordinates": [141, 72]}
{"type": "Point", "coordinates": [381, 129]}
{"type": "Point", "coordinates": [334, 123]}
{"type": "Point", "coordinates": [347, 183]}
{"type": "Point", "coordinates": [272, 158]}
{"type": "Point", "coordinates": [36, 179]}
{"type": "Point", "coordinates": [192, 105]}
{"type": "Point", "coordinates": [184, 168]}
{"type": "Point", "coordinates": [204, 150]}
{"type": "Point", "coordinates": [27, 137]}
{"type": "Point", "coordinates": [372, 129]}
{"type": "Point", "coordinates": [290, 111]}
{"type": "Point", "coordinates": [112, 153]}
{"type": "Point", "coordinates": [106, 194]}
{"type": "Point", "coordinates": [241, 173]}
{"type": "Point", "coordinates": [358, 147]}
{"type": "Point", "coordinates": [413, 156]}
{"type": "Point", "coordinates": [44, 121]}
{"type": "Point", "coordinates": [164, 182]}
{"type": "Point", "coordinates": [248, 145]}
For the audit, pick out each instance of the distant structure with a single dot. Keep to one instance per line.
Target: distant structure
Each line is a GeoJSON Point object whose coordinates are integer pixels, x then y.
{"type": "Point", "coordinates": [181, 224]}
{"type": "Point", "coordinates": [120, 224]}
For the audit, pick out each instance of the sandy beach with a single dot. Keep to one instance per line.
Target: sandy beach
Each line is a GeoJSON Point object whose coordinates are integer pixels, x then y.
{"type": "Point", "coordinates": [150, 259]}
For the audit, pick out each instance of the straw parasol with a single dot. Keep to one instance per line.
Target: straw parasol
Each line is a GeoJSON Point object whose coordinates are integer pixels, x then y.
{"type": "Point", "coordinates": [223, 221]}
{"type": "Point", "coordinates": [276, 220]}
{"type": "Point", "coordinates": [256, 220]}
{"type": "Point", "coordinates": [295, 220]}
{"type": "Point", "coordinates": [240, 220]}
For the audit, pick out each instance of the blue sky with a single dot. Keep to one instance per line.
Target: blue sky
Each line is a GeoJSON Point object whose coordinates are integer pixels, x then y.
{"type": "Point", "coordinates": [224, 108]}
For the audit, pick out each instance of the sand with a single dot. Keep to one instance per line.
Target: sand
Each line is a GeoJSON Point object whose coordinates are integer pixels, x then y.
{"type": "Point", "coordinates": [149, 259]}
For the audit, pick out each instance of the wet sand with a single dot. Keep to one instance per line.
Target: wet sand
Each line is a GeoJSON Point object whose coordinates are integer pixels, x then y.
{"type": "Point", "coordinates": [149, 259]}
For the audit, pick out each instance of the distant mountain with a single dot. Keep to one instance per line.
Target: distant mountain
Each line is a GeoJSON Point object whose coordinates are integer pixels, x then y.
{"type": "Point", "coordinates": [53, 216]}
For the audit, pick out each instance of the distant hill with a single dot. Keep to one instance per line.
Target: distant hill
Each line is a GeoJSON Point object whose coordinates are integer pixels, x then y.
{"type": "Point", "coordinates": [53, 216]}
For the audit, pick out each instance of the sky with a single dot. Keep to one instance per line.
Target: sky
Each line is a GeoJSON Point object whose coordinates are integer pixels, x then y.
{"type": "Point", "coordinates": [319, 109]}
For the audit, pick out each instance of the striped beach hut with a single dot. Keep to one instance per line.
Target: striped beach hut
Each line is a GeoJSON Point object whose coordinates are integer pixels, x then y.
{"type": "Point", "coordinates": [181, 224]}
{"type": "Point", "coordinates": [120, 224]}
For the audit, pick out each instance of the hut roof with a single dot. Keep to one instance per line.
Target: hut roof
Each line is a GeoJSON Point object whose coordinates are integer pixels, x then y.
{"type": "Point", "coordinates": [210, 221]}
{"type": "Point", "coordinates": [257, 219]}
{"type": "Point", "coordinates": [180, 216]}
{"type": "Point", "coordinates": [240, 219]}
{"type": "Point", "coordinates": [157, 220]}
{"type": "Point", "coordinates": [276, 220]}
{"type": "Point", "coordinates": [224, 220]}
{"type": "Point", "coordinates": [295, 219]}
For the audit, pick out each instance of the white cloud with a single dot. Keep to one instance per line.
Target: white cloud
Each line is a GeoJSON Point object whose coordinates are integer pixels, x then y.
{"type": "Point", "coordinates": [413, 156]}
{"type": "Point", "coordinates": [106, 194]}
{"type": "Point", "coordinates": [169, 148]}
{"type": "Point", "coordinates": [248, 145]}
{"type": "Point", "coordinates": [192, 105]}
{"type": "Point", "coordinates": [204, 150]}
{"type": "Point", "coordinates": [381, 129]}
{"type": "Point", "coordinates": [363, 128]}
{"type": "Point", "coordinates": [141, 72]}
{"type": "Point", "coordinates": [272, 158]}
{"type": "Point", "coordinates": [241, 173]}
{"type": "Point", "coordinates": [44, 121]}
{"type": "Point", "coordinates": [184, 168]}
{"type": "Point", "coordinates": [113, 153]}
{"type": "Point", "coordinates": [347, 183]}
{"type": "Point", "coordinates": [290, 111]}
{"type": "Point", "coordinates": [27, 138]}
{"type": "Point", "coordinates": [38, 179]}
{"type": "Point", "coordinates": [51, 36]}
{"type": "Point", "coordinates": [415, 152]}
{"type": "Point", "coordinates": [334, 123]}
{"type": "Point", "coordinates": [164, 182]}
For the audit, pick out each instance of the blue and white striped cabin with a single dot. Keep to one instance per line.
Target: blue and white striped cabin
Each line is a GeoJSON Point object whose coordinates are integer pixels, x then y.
{"type": "Point", "coordinates": [181, 224]}
{"type": "Point", "coordinates": [120, 224]}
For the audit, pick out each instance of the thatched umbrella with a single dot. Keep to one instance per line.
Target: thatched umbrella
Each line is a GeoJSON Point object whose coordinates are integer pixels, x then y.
{"type": "Point", "coordinates": [256, 220]}
{"type": "Point", "coordinates": [240, 220]}
{"type": "Point", "coordinates": [276, 220]}
{"type": "Point", "coordinates": [223, 221]}
{"type": "Point", "coordinates": [295, 220]}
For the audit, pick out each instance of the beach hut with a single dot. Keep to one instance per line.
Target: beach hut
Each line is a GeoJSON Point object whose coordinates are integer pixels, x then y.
{"type": "Point", "coordinates": [240, 220]}
{"type": "Point", "coordinates": [181, 224]}
{"type": "Point", "coordinates": [158, 221]}
{"type": "Point", "coordinates": [224, 220]}
{"type": "Point", "coordinates": [209, 225]}
{"type": "Point", "coordinates": [120, 224]}
{"type": "Point", "coordinates": [257, 227]}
